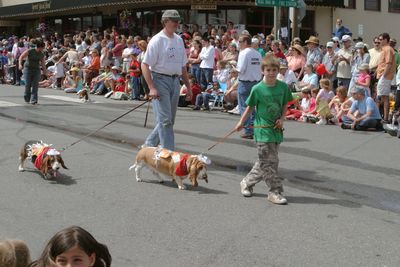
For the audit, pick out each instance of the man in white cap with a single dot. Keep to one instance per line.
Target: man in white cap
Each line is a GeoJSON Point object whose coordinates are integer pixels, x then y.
{"type": "Point", "coordinates": [342, 59]}
{"type": "Point", "coordinates": [163, 64]}
{"type": "Point", "coordinates": [327, 61]}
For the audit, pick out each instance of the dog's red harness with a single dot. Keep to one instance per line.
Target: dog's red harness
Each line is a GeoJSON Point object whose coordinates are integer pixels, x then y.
{"type": "Point", "coordinates": [39, 158]}
{"type": "Point", "coordinates": [181, 168]}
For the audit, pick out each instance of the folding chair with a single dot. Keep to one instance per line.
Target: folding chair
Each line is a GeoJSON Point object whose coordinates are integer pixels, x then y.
{"type": "Point", "coordinates": [218, 100]}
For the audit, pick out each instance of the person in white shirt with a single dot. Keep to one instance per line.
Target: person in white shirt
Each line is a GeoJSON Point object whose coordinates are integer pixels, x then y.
{"type": "Point", "coordinates": [207, 63]}
{"type": "Point", "coordinates": [164, 62]}
{"type": "Point", "coordinates": [249, 68]}
{"type": "Point", "coordinates": [287, 76]}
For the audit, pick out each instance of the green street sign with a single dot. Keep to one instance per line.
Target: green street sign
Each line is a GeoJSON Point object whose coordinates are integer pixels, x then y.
{"type": "Point", "coordinates": [278, 3]}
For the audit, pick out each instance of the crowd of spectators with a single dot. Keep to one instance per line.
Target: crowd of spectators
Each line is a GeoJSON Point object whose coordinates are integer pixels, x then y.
{"type": "Point", "coordinates": [324, 78]}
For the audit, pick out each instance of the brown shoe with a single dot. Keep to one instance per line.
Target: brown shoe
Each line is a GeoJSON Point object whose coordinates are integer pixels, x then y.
{"type": "Point", "coordinates": [246, 136]}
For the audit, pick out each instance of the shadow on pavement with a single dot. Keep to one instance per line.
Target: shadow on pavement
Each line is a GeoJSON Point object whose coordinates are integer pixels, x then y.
{"type": "Point", "coordinates": [314, 200]}
{"type": "Point", "coordinates": [199, 189]}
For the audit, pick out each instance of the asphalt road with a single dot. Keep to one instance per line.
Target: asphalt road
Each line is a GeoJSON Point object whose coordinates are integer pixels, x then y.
{"type": "Point", "coordinates": [342, 187]}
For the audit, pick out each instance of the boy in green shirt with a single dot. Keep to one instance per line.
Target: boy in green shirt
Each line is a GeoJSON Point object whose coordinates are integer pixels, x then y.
{"type": "Point", "coordinates": [270, 97]}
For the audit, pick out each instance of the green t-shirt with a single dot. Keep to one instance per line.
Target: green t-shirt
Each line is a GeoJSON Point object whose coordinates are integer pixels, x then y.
{"type": "Point", "coordinates": [269, 102]}
{"type": "Point", "coordinates": [261, 51]}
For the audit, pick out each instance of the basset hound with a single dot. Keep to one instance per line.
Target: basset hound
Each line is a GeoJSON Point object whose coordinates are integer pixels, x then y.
{"type": "Point", "coordinates": [176, 165]}
{"type": "Point", "coordinates": [45, 158]}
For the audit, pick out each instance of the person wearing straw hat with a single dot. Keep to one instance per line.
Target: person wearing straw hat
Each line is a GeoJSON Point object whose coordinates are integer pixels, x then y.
{"type": "Point", "coordinates": [163, 64]}
{"type": "Point", "coordinates": [296, 60]}
{"type": "Point", "coordinates": [77, 81]}
{"type": "Point", "coordinates": [314, 55]}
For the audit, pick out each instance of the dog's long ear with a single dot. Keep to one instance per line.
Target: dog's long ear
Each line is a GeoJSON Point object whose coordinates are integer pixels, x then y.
{"type": "Point", "coordinates": [193, 171]}
{"type": "Point", "coordinates": [45, 165]}
{"type": "Point", "coordinates": [62, 162]}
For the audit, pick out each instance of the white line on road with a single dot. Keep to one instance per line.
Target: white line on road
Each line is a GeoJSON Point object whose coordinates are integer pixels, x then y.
{"type": "Point", "coordinates": [8, 104]}
{"type": "Point", "coordinates": [67, 99]}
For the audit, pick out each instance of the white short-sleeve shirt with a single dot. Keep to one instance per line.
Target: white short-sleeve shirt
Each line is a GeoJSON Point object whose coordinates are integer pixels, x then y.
{"type": "Point", "coordinates": [249, 65]}
{"type": "Point", "coordinates": [166, 55]}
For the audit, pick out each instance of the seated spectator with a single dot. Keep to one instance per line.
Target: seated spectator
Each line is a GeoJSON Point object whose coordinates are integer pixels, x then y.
{"type": "Point", "coordinates": [183, 102]}
{"type": "Point", "coordinates": [77, 81]}
{"type": "Point", "coordinates": [221, 74]}
{"type": "Point", "coordinates": [230, 53]}
{"type": "Point", "coordinates": [93, 69]}
{"type": "Point", "coordinates": [97, 85]}
{"type": "Point", "coordinates": [287, 76]}
{"type": "Point", "coordinates": [294, 109]}
{"type": "Point", "coordinates": [72, 245]}
{"type": "Point", "coordinates": [296, 60]}
{"type": "Point", "coordinates": [311, 115]}
{"type": "Point", "coordinates": [324, 97]}
{"type": "Point", "coordinates": [363, 114]}
{"type": "Point", "coordinates": [230, 97]}
{"type": "Point", "coordinates": [204, 98]}
{"type": "Point", "coordinates": [339, 105]}
{"type": "Point", "coordinates": [14, 253]}
{"type": "Point", "coordinates": [310, 79]}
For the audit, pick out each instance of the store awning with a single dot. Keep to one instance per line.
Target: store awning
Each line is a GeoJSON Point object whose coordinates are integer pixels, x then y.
{"type": "Point", "coordinates": [52, 6]}
{"type": "Point", "coordinates": [329, 3]}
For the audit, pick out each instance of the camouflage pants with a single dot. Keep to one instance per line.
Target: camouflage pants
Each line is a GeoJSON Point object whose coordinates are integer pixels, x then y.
{"type": "Point", "coordinates": [266, 168]}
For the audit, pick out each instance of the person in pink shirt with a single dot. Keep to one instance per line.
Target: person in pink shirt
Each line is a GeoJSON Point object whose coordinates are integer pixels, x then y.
{"type": "Point", "coordinates": [296, 60]}
{"type": "Point", "coordinates": [364, 79]}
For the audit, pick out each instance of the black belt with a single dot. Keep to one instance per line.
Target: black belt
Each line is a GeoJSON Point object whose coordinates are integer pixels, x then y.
{"type": "Point", "coordinates": [168, 75]}
{"type": "Point", "coordinates": [247, 81]}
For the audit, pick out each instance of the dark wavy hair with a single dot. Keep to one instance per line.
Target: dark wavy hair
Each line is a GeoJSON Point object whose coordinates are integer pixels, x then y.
{"type": "Point", "coordinates": [73, 236]}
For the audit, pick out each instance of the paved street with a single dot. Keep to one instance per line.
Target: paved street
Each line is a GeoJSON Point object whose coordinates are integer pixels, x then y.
{"type": "Point", "coordinates": [343, 189]}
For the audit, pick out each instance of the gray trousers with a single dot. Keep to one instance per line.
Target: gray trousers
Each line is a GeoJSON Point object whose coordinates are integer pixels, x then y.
{"type": "Point", "coordinates": [266, 168]}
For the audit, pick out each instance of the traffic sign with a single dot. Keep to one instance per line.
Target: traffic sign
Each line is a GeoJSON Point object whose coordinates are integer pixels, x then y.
{"type": "Point", "coordinates": [279, 3]}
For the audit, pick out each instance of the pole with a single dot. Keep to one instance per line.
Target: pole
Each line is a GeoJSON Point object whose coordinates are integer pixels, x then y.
{"type": "Point", "coordinates": [295, 27]}
{"type": "Point", "coordinates": [277, 21]}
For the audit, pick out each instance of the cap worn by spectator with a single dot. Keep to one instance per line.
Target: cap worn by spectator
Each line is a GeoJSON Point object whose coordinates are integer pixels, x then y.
{"type": "Point", "coordinates": [329, 44]}
{"type": "Point", "coordinates": [245, 32]}
{"type": "Point", "coordinates": [335, 39]}
{"type": "Point", "coordinates": [261, 35]}
{"type": "Point", "coordinates": [346, 38]}
{"type": "Point", "coordinates": [297, 40]}
{"type": "Point", "coordinates": [283, 65]}
{"type": "Point", "coordinates": [171, 14]}
{"type": "Point", "coordinates": [359, 45]}
{"type": "Point", "coordinates": [358, 90]}
{"type": "Point", "coordinates": [255, 41]}
{"type": "Point", "coordinates": [115, 68]}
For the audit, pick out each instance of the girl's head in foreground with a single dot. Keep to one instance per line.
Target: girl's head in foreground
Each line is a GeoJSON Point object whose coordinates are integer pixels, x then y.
{"type": "Point", "coordinates": [74, 247]}
{"type": "Point", "coordinates": [270, 66]}
{"type": "Point", "coordinates": [325, 84]}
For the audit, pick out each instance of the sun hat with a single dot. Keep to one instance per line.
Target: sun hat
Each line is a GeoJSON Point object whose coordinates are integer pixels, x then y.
{"type": "Point", "coordinates": [313, 40]}
{"type": "Point", "coordinates": [363, 66]}
{"type": "Point", "coordinates": [74, 69]}
{"type": "Point", "coordinates": [171, 14]}
{"type": "Point", "coordinates": [298, 48]}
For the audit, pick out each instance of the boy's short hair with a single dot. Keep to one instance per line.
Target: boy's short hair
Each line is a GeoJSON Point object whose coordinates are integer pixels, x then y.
{"type": "Point", "coordinates": [341, 90]}
{"type": "Point", "coordinates": [270, 61]}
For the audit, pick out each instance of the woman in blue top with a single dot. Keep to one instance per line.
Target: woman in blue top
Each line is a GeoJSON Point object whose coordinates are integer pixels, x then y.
{"type": "Point", "coordinates": [78, 85]}
{"type": "Point", "coordinates": [34, 60]}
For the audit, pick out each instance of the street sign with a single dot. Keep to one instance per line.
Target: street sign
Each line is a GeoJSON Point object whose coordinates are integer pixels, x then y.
{"type": "Point", "coordinates": [278, 3]}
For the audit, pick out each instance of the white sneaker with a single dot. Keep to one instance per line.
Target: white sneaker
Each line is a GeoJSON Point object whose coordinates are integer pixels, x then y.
{"type": "Point", "coordinates": [245, 190]}
{"type": "Point", "coordinates": [321, 122]}
{"type": "Point", "coordinates": [235, 110]}
{"type": "Point", "coordinates": [276, 198]}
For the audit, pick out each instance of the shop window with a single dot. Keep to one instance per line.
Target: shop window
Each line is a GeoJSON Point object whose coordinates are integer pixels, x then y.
{"type": "Point", "coordinates": [351, 4]}
{"type": "Point", "coordinates": [372, 5]}
{"type": "Point", "coordinates": [308, 25]}
{"type": "Point", "coordinates": [236, 16]}
{"type": "Point", "coordinates": [87, 23]}
{"type": "Point", "coordinates": [394, 6]}
{"type": "Point", "coordinates": [97, 22]}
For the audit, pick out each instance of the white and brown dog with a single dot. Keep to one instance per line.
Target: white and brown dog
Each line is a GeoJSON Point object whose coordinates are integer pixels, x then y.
{"type": "Point", "coordinates": [173, 164]}
{"type": "Point", "coordinates": [84, 95]}
{"type": "Point", "coordinates": [45, 158]}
